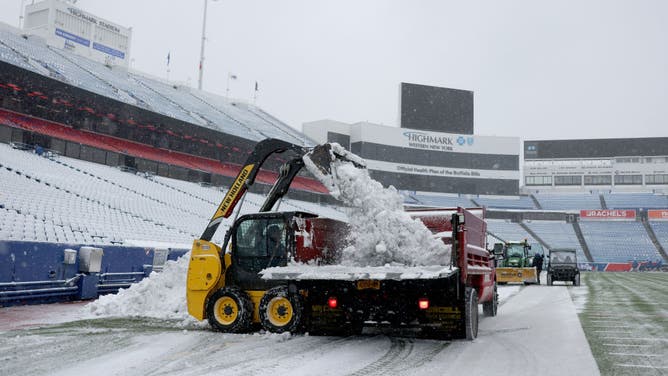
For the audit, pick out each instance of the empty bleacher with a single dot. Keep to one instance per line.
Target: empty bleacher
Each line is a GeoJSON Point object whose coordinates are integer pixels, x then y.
{"type": "Point", "coordinates": [71, 201]}
{"type": "Point", "coordinates": [508, 231]}
{"type": "Point", "coordinates": [635, 200]}
{"type": "Point", "coordinates": [441, 201]}
{"type": "Point", "coordinates": [557, 234]}
{"type": "Point", "coordinates": [521, 202]}
{"type": "Point", "coordinates": [621, 241]}
{"type": "Point", "coordinates": [189, 105]}
{"type": "Point", "coordinates": [568, 201]}
{"type": "Point", "coordinates": [661, 231]}
{"type": "Point", "coordinates": [118, 145]}
{"type": "Point", "coordinates": [34, 48]}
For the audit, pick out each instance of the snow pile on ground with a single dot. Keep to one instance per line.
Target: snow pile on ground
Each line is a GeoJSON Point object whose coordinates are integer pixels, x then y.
{"type": "Point", "coordinates": [381, 231]}
{"type": "Point", "coordinates": [162, 295]}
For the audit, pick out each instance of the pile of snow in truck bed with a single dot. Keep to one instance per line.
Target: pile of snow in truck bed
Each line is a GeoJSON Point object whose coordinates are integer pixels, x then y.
{"type": "Point", "coordinates": [381, 231]}
{"type": "Point", "coordinates": [351, 273]}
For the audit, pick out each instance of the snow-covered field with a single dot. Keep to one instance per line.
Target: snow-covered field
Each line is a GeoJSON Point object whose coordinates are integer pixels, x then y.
{"type": "Point", "coordinates": [537, 331]}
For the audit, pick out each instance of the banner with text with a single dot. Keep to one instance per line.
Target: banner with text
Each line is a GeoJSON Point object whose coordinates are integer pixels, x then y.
{"type": "Point", "coordinates": [608, 215]}
{"type": "Point", "coordinates": [658, 215]}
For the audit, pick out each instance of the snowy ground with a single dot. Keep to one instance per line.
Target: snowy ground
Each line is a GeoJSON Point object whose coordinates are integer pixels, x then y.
{"type": "Point", "coordinates": [537, 331]}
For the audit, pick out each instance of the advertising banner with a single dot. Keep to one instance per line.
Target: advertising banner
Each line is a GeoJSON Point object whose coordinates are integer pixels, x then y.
{"type": "Point", "coordinates": [405, 168]}
{"type": "Point", "coordinates": [608, 215]}
{"type": "Point", "coordinates": [72, 37]}
{"type": "Point", "coordinates": [434, 141]}
{"type": "Point", "coordinates": [658, 215]}
{"type": "Point", "coordinates": [108, 50]}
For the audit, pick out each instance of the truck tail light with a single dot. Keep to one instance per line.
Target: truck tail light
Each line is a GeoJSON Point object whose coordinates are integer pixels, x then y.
{"type": "Point", "coordinates": [423, 303]}
{"type": "Point", "coordinates": [332, 302]}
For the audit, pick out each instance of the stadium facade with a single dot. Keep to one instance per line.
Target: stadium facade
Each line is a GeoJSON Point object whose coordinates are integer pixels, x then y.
{"type": "Point", "coordinates": [434, 150]}
{"type": "Point", "coordinates": [62, 25]}
{"type": "Point", "coordinates": [630, 164]}
{"type": "Point", "coordinates": [425, 161]}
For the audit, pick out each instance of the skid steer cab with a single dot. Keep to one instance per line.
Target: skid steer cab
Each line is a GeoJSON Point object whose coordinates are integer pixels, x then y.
{"type": "Point", "coordinates": [226, 288]}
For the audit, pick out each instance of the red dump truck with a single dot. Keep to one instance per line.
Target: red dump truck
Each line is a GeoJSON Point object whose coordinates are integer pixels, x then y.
{"type": "Point", "coordinates": [256, 283]}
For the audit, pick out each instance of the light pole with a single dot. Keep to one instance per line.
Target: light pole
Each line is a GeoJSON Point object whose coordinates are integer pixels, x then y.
{"type": "Point", "coordinates": [201, 54]}
{"type": "Point", "coordinates": [22, 14]}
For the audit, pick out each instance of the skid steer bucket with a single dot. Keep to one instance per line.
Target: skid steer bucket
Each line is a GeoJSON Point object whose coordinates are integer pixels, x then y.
{"type": "Point", "coordinates": [323, 155]}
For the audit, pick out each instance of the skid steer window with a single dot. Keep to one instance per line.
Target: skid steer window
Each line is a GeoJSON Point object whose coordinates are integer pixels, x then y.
{"type": "Point", "coordinates": [261, 243]}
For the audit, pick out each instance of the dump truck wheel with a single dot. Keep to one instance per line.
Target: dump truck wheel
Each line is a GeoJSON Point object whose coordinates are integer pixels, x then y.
{"type": "Point", "coordinates": [280, 311]}
{"type": "Point", "coordinates": [549, 279]}
{"type": "Point", "coordinates": [229, 310]}
{"type": "Point", "coordinates": [576, 280]}
{"type": "Point", "coordinates": [471, 313]}
{"type": "Point", "coordinates": [490, 308]}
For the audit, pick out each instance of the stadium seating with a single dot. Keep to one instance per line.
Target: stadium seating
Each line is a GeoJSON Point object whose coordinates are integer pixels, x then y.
{"type": "Point", "coordinates": [635, 200]}
{"type": "Point", "coordinates": [8, 55]}
{"type": "Point", "coordinates": [118, 145]}
{"type": "Point", "coordinates": [441, 201]}
{"type": "Point", "coordinates": [568, 201]}
{"type": "Point", "coordinates": [508, 231]}
{"type": "Point", "coordinates": [621, 241]}
{"type": "Point", "coordinates": [190, 105]}
{"type": "Point", "coordinates": [35, 49]}
{"type": "Point", "coordinates": [521, 202]}
{"type": "Point", "coordinates": [72, 201]}
{"type": "Point", "coordinates": [661, 231]}
{"type": "Point", "coordinates": [557, 234]}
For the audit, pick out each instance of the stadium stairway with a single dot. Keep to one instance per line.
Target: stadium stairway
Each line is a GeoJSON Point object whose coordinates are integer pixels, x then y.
{"type": "Point", "coordinates": [604, 205]}
{"type": "Point", "coordinates": [654, 239]}
{"type": "Point", "coordinates": [583, 242]}
{"type": "Point", "coordinates": [534, 235]}
{"type": "Point", "coordinates": [535, 202]}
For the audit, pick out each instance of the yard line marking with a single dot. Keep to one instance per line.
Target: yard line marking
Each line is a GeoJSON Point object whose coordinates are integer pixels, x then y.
{"type": "Point", "coordinates": [638, 339]}
{"type": "Point", "coordinates": [616, 326]}
{"type": "Point", "coordinates": [639, 366]}
{"type": "Point", "coordinates": [611, 331]}
{"type": "Point", "coordinates": [600, 319]}
{"type": "Point", "coordinates": [627, 354]}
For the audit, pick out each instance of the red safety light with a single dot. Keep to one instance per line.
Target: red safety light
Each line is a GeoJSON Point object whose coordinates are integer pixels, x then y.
{"type": "Point", "coordinates": [423, 303]}
{"type": "Point", "coordinates": [332, 302]}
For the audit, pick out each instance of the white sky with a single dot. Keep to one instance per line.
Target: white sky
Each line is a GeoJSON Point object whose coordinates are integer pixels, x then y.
{"type": "Point", "coordinates": [539, 69]}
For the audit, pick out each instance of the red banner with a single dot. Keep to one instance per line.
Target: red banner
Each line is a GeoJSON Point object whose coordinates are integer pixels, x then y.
{"type": "Point", "coordinates": [658, 215]}
{"type": "Point", "coordinates": [608, 215]}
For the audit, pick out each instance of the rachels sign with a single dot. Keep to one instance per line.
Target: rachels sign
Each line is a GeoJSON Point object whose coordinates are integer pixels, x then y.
{"type": "Point", "coordinates": [658, 215]}
{"type": "Point", "coordinates": [618, 215]}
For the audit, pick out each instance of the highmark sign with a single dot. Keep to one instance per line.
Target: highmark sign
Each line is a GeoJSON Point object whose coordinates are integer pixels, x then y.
{"type": "Point", "coordinates": [422, 140]}
{"type": "Point", "coordinates": [434, 141]}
